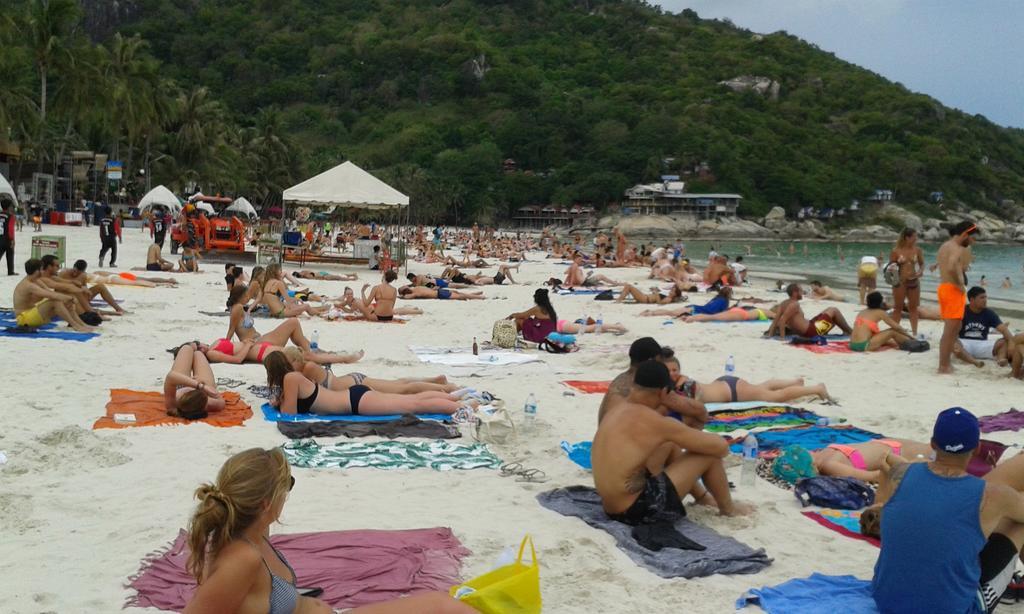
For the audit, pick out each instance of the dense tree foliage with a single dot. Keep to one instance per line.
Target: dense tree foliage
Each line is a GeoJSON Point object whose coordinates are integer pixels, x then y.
{"type": "Point", "coordinates": [60, 92]}
{"type": "Point", "coordinates": [586, 96]}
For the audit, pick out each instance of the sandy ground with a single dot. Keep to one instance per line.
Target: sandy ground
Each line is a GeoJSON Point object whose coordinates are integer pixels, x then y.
{"type": "Point", "coordinates": [80, 508]}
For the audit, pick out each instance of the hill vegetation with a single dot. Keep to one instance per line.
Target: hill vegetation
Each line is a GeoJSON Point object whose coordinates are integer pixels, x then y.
{"type": "Point", "coordinates": [587, 97]}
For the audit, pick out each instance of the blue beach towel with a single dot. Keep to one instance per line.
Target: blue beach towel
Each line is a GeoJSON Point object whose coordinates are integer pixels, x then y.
{"type": "Point", "coordinates": [46, 331]}
{"type": "Point", "coordinates": [272, 415]}
{"type": "Point", "coordinates": [578, 453]}
{"type": "Point", "coordinates": [580, 291]}
{"type": "Point", "coordinates": [810, 437]}
{"type": "Point", "coordinates": [818, 594]}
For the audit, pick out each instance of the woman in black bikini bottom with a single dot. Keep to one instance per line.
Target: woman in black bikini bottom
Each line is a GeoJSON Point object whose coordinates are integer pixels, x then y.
{"type": "Point", "coordinates": [294, 393]}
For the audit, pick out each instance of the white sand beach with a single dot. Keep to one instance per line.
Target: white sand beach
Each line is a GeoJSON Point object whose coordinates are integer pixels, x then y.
{"type": "Point", "coordinates": [80, 508]}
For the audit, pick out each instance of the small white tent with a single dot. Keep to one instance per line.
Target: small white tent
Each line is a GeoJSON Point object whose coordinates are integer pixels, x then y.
{"type": "Point", "coordinates": [206, 207]}
{"type": "Point", "coordinates": [160, 196]}
{"type": "Point", "coordinates": [243, 206]}
{"type": "Point", "coordinates": [5, 188]}
{"type": "Point", "coordinates": [345, 185]}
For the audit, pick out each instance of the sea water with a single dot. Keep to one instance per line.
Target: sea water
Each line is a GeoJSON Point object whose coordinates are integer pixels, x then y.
{"type": "Point", "coordinates": [822, 261]}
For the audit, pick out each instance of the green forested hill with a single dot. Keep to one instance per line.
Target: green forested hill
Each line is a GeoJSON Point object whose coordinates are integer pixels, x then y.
{"type": "Point", "coordinates": [586, 96]}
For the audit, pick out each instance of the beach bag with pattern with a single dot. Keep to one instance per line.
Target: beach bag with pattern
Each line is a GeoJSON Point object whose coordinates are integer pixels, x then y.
{"type": "Point", "coordinates": [503, 334]}
{"type": "Point", "coordinates": [510, 589]}
{"type": "Point", "coordinates": [494, 425]}
{"type": "Point", "coordinates": [843, 493]}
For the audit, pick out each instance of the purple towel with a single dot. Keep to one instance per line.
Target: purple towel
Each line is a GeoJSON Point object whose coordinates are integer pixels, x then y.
{"type": "Point", "coordinates": [1010, 420]}
{"type": "Point", "coordinates": [353, 567]}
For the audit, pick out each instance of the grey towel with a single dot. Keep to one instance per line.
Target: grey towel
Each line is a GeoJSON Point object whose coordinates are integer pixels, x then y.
{"type": "Point", "coordinates": [406, 426]}
{"type": "Point", "coordinates": [723, 555]}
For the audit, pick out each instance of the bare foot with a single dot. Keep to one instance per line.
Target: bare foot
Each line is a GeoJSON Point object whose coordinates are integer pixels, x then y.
{"type": "Point", "coordinates": [738, 508]}
{"type": "Point", "coordinates": [440, 379]}
{"type": "Point", "coordinates": [1002, 362]}
{"type": "Point", "coordinates": [355, 357]}
{"type": "Point", "coordinates": [980, 364]}
{"type": "Point", "coordinates": [945, 370]}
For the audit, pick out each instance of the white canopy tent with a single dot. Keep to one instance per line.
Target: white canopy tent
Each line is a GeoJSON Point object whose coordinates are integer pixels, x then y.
{"type": "Point", "coordinates": [205, 207]}
{"type": "Point", "coordinates": [243, 206]}
{"type": "Point", "coordinates": [161, 196]}
{"type": "Point", "coordinates": [345, 185]}
{"type": "Point", "coordinates": [5, 188]}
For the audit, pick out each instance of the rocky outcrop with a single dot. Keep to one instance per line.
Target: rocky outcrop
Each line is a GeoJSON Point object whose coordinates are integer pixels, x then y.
{"type": "Point", "coordinates": [764, 86]}
{"type": "Point", "coordinates": [870, 233]}
{"type": "Point", "coordinates": [906, 218]}
{"type": "Point", "coordinates": [776, 226]}
{"type": "Point", "coordinates": [776, 218]}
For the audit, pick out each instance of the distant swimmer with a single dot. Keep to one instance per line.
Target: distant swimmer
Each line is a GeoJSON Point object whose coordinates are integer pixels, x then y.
{"type": "Point", "coordinates": [983, 282]}
{"type": "Point", "coordinates": [1007, 283]}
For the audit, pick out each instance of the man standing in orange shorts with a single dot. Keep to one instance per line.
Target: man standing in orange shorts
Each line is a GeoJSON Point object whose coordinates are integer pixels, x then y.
{"type": "Point", "coordinates": [953, 258]}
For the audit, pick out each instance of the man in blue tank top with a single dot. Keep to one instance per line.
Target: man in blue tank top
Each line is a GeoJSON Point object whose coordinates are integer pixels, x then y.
{"type": "Point", "coordinates": [949, 540]}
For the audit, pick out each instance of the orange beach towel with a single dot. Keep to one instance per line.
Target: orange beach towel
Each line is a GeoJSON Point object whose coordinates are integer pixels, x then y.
{"type": "Point", "coordinates": [588, 387]}
{"type": "Point", "coordinates": [148, 409]}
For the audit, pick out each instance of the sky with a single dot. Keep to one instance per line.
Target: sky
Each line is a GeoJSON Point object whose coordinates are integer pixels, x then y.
{"type": "Point", "coordinates": [968, 54]}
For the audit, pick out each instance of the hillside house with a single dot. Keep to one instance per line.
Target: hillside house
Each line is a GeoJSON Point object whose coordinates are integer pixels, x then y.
{"type": "Point", "coordinates": [671, 198]}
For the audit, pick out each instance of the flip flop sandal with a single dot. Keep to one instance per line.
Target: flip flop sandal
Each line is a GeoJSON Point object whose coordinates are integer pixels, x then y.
{"type": "Point", "coordinates": [535, 476]}
{"type": "Point", "coordinates": [510, 469]}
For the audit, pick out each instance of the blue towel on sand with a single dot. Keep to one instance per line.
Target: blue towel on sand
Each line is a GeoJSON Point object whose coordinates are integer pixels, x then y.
{"type": "Point", "coordinates": [272, 415]}
{"type": "Point", "coordinates": [579, 291]}
{"type": "Point", "coordinates": [809, 437]}
{"type": "Point", "coordinates": [46, 331]}
{"type": "Point", "coordinates": [818, 594]}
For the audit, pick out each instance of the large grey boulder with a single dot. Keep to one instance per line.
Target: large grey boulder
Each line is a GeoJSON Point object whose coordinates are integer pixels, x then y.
{"type": "Point", "coordinates": [908, 219]}
{"type": "Point", "coordinates": [870, 233]}
{"type": "Point", "coordinates": [776, 218]}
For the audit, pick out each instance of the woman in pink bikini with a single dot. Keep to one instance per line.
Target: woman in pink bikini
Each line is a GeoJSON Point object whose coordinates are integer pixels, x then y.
{"type": "Point", "coordinates": [867, 335]}
{"type": "Point", "coordinates": [866, 461]}
{"type": "Point", "coordinates": [254, 347]}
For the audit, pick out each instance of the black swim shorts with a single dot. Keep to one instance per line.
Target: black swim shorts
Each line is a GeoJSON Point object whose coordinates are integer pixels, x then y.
{"type": "Point", "coordinates": [658, 502]}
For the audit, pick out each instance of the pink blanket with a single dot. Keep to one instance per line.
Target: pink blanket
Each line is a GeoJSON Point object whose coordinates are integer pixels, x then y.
{"type": "Point", "coordinates": [353, 567]}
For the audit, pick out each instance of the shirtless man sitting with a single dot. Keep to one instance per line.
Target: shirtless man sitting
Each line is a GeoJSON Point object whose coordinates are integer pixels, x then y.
{"type": "Point", "coordinates": [416, 292]}
{"type": "Point", "coordinates": [693, 412]}
{"type": "Point", "coordinates": [824, 293]}
{"type": "Point", "coordinates": [76, 275]}
{"type": "Point", "coordinates": [379, 306]}
{"type": "Point", "coordinates": [49, 277]}
{"type": "Point", "coordinates": [36, 305]}
{"type": "Point", "coordinates": [719, 271]}
{"type": "Point", "coordinates": [575, 277]}
{"type": "Point", "coordinates": [154, 261]}
{"type": "Point", "coordinates": [790, 318]}
{"type": "Point", "coordinates": [641, 470]}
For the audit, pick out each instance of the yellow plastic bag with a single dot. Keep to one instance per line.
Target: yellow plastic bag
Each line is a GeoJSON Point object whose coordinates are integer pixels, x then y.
{"type": "Point", "coordinates": [510, 589]}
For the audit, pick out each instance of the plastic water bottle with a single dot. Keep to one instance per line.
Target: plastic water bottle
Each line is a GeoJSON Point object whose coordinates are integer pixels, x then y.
{"type": "Point", "coordinates": [730, 365]}
{"type": "Point", "coordinates": [583, 327]}
{"type": "Point", "coordinates": [600, 322]}
{"type": "Point", "coordinates": [824, 421]}
{"type": "Point", "coordinates": [314, 340]}
{"type": "Point", "coordinates": [529, 412]}
{"type": "Point", "coordinates": [748, 477]}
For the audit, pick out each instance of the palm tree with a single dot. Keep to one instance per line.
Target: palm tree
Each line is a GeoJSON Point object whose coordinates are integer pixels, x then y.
{"type": "Point", "coordinates": [48, 28]}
